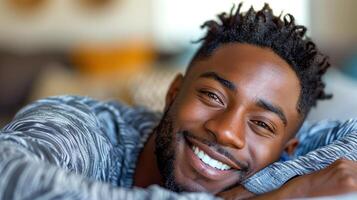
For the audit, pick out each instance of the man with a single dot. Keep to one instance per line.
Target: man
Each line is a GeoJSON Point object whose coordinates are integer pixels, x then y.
{"type": "Point", "coordinates": [226, 122]}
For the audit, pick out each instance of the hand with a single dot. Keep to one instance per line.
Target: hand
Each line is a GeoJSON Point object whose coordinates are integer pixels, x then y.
{"type": "Point", "coordinates": [338, 178]}
{"type": "Point", "coordinates": [235, 193]}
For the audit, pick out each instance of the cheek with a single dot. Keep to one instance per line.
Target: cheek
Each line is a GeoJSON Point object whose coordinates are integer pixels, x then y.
{"type": "Point", "coordinates": [190, 111]}
{"type": "Point", "coordinates": [264, 152]}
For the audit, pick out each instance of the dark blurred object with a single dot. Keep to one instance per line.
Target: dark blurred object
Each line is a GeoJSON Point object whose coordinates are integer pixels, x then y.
{"type": "Point", "coordinates": [17, 73]}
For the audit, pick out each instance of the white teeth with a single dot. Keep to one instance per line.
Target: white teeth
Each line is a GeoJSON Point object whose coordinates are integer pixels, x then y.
{"type": "Point", "coordinates": [220, 165]}
{"type": "Point", "coordinates": [208, 160]}
{"type": "Point", "coordinates": [200, 154]}
{"type": "Point", "coordinates": [214, 162]}
{"type": "Point", "coordinates": [195, 149]}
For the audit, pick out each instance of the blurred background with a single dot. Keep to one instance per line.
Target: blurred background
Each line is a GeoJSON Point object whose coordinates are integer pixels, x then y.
{"type": "Point", "coordinates": [129, 50]}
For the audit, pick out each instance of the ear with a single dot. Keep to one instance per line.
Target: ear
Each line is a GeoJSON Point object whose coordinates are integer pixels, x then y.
{"type": "Point", "coordinates": [291, 145]}
{"type": "Point", "coordinates": [173, 90]}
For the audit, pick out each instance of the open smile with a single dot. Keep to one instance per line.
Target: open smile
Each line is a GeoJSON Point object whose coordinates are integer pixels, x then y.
{"type": "Point", "coordinates": [207, 162]}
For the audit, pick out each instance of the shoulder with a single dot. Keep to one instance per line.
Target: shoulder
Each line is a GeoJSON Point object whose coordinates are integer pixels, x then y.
{"type": "Point", "coordinates": [113, 118]}
{"type": "Point", "coordinates": [59, 109]}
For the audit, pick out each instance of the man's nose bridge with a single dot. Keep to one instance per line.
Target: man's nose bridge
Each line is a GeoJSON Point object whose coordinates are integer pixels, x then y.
{"type": "Point", "coordinates": [231, 128]}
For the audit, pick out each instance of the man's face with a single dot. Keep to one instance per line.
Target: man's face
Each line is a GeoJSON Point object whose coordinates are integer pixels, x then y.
{"type": "Point", "coordinates": [229, 117]}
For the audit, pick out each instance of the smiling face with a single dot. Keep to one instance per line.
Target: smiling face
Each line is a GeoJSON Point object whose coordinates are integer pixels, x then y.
{"type": "Point", "coordinates": [229, 117]}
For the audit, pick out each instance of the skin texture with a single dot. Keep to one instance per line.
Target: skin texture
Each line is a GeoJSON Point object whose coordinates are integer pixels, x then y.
{"type": "Point", "coordinates": [221, 106]}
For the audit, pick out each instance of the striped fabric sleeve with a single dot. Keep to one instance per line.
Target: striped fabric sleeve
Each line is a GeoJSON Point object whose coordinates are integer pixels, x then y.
{"type": "Point", "coordinates": [26, 177]}
{"type": "Point", "coordinates": [320, 145]}
{"type": "Point", "coordinates": [57, 148]}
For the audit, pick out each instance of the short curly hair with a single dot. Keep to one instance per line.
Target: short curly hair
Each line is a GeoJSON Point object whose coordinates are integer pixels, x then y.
{"type": "Point", "coordinates": [282, 35]}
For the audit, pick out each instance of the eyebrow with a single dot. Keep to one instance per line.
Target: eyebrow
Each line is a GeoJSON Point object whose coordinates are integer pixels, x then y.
{"type": "Point", "coordinates": [272, 108]}
{"type": "Point", "coordinates": [266, 105]}
{"type": "Point", "coordinates": [226, 83]}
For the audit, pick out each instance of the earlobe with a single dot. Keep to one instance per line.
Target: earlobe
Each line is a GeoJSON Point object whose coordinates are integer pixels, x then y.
{"type": "Point", "coordinates": [291, 146]}
{"type": "Point", "coordinates": [173, 90]}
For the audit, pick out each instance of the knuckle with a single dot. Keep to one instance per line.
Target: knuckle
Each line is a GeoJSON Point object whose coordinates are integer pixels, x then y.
{"type": "Point", "coordinates": [341, 168]}
{"type": "Point", "coordinates": [341, 161]}
{"type": "Point", "coordinates": [341, 164]}
{"type": "Point", "coordinates": [348, 182]}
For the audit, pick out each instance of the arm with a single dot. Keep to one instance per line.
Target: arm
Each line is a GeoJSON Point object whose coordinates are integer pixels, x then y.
{"type": "Point", "coordinates": [25, 176]}
{"type": "Point", "coordinates": [57, 149]}
{"type": "Point", "coordinates": [331, 141]}
{"type": "Point", "coordinates": [338, 178]}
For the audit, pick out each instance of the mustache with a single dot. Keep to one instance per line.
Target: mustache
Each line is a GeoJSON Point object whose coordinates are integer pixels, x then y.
{"type": "Point", "coordinates": [217, 147]}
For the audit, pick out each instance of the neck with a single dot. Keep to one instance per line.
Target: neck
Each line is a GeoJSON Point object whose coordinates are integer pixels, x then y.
{"type": "Point", "coordinates": [147, 172]}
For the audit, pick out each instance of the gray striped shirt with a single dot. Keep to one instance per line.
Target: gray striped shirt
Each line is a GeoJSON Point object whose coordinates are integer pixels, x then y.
{"type": "Point", "coordinates": [77, 148]}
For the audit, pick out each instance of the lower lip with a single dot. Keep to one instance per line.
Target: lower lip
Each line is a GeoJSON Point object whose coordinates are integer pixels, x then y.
{"type": "Point", "coordinates": [204, 169]}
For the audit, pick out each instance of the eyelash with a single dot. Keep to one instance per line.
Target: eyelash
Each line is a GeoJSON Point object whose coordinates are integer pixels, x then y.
{"type": "Point", "coordinates": [215, 97]}
{"type": "Point", "coordinates": [212, 96]}
{"type": "Point", "coordinates": [263, 125]}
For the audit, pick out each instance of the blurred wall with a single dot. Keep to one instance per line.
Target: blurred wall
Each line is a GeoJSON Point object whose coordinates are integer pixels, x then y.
{"type": "Point", "coordinates": [53, 33]}
{"type": "Point", "coordinates": [59, 24]}
{"type": "Point", "coordinates": [334, 28]}
{"type": "Point", "coordinates": [333, 22]}
{"type": "Point", "coordinates": [177, 23]}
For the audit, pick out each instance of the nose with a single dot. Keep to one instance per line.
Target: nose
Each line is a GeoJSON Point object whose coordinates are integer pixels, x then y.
{"type": "Point", "coordinates": [228, 129]}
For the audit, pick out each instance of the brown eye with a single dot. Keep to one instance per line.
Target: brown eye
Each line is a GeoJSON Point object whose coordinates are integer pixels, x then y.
{"type": "Point", "coordinates": [263, 125]}
{"type": "Point", "coordinates": [212, 96]}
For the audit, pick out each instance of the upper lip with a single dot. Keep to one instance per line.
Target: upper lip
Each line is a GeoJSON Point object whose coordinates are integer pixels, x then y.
{"type": "Point", "coordinates": [214, 154]}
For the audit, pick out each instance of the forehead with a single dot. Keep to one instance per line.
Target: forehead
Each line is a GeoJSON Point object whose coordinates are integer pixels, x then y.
{"type": "Point", "coordinates": [257, 72]}
{"type": "Point", "coordinates": [244, 58]}
{"type": "Point", "coordinates": [244, 61]}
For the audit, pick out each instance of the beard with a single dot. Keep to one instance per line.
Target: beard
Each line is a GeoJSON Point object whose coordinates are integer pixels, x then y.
{"type": "Point", "coordinates": [165, 151]}
{"type": "Point", "coordinates": [166, 141]}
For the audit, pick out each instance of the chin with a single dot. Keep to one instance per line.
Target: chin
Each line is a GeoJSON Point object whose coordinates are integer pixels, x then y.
{"type": "Point", "coordinates": [185, 178]}
{"type": "Point", "coordinates": [189, 185]}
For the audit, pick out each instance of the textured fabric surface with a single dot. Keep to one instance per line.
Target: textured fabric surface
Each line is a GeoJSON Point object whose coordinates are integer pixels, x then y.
{"type": "Point", "coordinates": [77, 148]}
{"type": "Point", "coordinates": [320, 144]}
